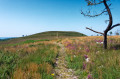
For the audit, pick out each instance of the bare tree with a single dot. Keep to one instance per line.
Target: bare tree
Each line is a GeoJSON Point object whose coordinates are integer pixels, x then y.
{"type": "Point", "coordinates": [104, 11]}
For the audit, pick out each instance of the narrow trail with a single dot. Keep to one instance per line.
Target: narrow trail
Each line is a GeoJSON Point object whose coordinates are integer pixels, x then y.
{"type": "Point", "coordinates": [61, 70]}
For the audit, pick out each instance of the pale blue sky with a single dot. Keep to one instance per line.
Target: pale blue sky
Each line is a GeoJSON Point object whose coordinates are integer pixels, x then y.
{"type": "Point", "coordinates": [26, 17]}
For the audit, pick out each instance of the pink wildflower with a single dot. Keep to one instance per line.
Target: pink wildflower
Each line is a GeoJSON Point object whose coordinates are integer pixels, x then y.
{"type": "Point", "coordinates": [85, 56]}
{"type": "Point", "coordinates": [90, 77]}
{"type": "Point", "coordinates": [84, 66]}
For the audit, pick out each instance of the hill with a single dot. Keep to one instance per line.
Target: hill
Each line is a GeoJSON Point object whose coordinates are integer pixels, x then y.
{"type": "Point", "coordinates": [56, 34]}
{"type": "Point", "coordinates": [49, 35]}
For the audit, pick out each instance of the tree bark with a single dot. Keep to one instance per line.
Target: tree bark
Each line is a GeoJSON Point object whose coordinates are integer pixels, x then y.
{"type": "Point", "coordinates": [105, 41]}
{"type": "Point", "coordinates": [109, 25]}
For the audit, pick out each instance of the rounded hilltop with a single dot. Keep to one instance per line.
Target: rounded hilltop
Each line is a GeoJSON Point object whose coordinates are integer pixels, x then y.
{"type": "Point", "coordinates": [48, 35]}
{"type": "Point", "coordinates": [52, 34]}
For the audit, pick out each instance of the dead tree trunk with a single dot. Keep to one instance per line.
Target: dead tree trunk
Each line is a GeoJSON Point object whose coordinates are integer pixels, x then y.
{"type": "Point", "coordinates": [105, 41]}
{"type": "Point", "coordinates": [106, 10]}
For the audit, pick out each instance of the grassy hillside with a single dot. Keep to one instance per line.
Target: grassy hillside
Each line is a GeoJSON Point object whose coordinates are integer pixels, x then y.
{"type": "Point", "coordinates": [49, 35]}
{"type": "Point", "coordinates": [55, 34]}
{"type": "Point", "coordinates": [28, 60]}
{"type": "Point", "coordinates": [82, 57]}
{"type": "Point", "coordinates": [90, 61]}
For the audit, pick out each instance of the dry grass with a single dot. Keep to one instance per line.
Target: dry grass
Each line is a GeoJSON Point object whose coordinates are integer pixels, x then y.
{"type": "Point", "coordinates": [29, 72]}
{"type": "Point", "coordinates": [102, 64]}
{"type": "Point", "coordinates": [35, 60]}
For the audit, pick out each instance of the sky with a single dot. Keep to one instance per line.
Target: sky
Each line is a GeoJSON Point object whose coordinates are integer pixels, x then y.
{"type": "Point", "coordinates": [26, 17]}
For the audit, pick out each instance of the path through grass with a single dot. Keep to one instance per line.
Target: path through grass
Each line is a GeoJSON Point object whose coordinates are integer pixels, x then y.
{"type": "Point", "coordinates": [61, 70]}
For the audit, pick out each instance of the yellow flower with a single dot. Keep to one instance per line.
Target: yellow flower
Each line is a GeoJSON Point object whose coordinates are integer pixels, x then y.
{"type": "Point", "coordinates": [53, 74]}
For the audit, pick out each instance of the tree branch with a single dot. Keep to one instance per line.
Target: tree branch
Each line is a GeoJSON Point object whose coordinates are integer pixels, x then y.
{"type": "Point", "coordinates": [110, 16]}
{"type": "Point", "coordinates": [94, 31]}
{"type": "Point", "coordinates": [94, 2]}
{"type": "Point", "coordinates": [91, 3]}
{"type": "Point", "coordinates": [92, 15]}
{"type": "Point", "coordinates": [115, 26]}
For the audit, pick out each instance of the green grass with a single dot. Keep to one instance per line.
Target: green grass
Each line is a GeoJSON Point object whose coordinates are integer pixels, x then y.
{"type": "Point", "coordinates": [76, 63]}
{"type": "Point", "coordinates": [17, 54]}
{"type": "Point", "coordinates": [8, 62]}
{"type": "Point", "coordinates": [43, 57]}
{"type": "Point", "coordinates": [103, 64]}
{"type": "Point", "coordinates": [38, 58]}
{"type": "Point", "coordinates": [108, 64]}
{"type": "Point", "coordinates": [49, 35]}
{"type": "Point", "coordinates": [27, 42]}
{"type": "Point", "coordinates": [73, 63]}
{"type": "Point", "coordinates": [57, 33]}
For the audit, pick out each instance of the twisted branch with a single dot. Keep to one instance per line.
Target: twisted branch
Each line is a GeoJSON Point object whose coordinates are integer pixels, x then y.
{"type": "Point", "coordinates": [93, 15]}
{"type": "Point", "coordinates": [105, 10]}
{"type": "Point", "coordinates": [110, 16]}
{"type": "Point", "coordinates": [115, 26]}
{"type": "Point", "coordinates": [94, 31]}
{"type": "Point", "coordinates": [91, 3]}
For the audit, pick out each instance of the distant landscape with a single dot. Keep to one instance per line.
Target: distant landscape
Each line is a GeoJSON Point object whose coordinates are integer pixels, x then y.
{"type": "Point", "coordinates": [59, 39]}
{"type": "Point", "coordinates": [29, 51]}
{"type": "Point", "coordinates": [49, 35]}
{"type": "Point", "coordinates": [59, 54]}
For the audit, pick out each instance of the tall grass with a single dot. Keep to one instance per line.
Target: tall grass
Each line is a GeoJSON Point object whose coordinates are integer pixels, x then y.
{"type": "Point", "coordinates": [30, 60]}
{"type": "Point", "coordinates": [88, 58]}
{"type": "Point", "coordinates": [8, 62]}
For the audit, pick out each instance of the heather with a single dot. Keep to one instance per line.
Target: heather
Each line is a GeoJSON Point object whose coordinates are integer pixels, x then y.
{"type": "Point", "coordinates": [88, 58]}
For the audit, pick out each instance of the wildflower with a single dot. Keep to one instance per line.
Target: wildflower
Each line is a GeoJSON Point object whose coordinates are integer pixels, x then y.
{"type": "Point", "coordinates": [53, 74]}
{"type": "Point", "coordinates": [87, 60]}
{"type": "Point", "coordinates": [99, 41]}
{"type": "Point", "coordinates": [85, 56]}
{"type": "Point", "coordinates": [72, 47]}
{"type": "Point", "coordinates": [74, 56]}
{"type": "Point", "coordinates": [90, 76]}
{"type": "Point", "coordinates": [87, 50]}
{"type": "Point", "coordinates": [84, 66]}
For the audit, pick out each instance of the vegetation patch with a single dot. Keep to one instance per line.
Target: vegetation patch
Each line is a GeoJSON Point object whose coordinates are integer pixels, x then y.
{"type": "Point", "coordinates": [30, 59]}
{"type": "Point", "coordinates": [88, 58]}
{"type": "Point", "coordinates": [8, 62]}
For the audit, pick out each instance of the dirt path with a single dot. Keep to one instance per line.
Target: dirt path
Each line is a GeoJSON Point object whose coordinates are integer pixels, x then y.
{"type": "Point", "coordinates": [61, 70]}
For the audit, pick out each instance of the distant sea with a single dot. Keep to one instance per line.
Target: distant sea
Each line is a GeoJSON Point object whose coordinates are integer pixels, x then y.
{"type": "Point", "coordinates": [4, 38]}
